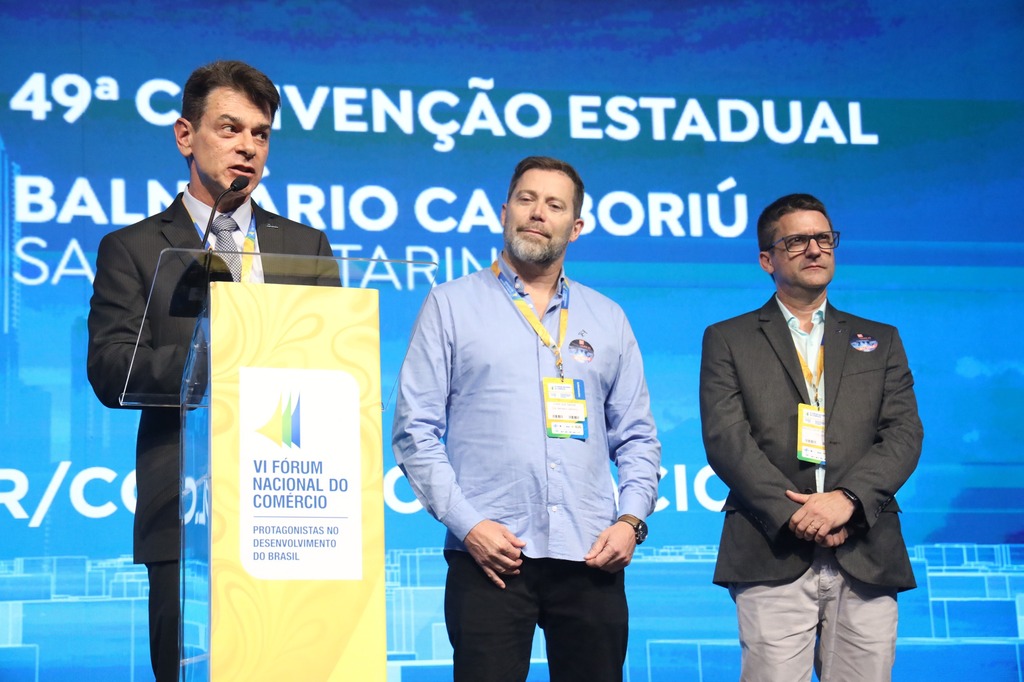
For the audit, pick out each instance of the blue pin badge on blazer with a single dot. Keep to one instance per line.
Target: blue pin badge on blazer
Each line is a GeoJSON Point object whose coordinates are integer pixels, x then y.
{"type": "Point", "coordinates": [863, 343]}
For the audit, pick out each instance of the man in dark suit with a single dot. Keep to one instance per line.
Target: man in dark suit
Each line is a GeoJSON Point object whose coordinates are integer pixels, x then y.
{"type": "Point", "coordinates": [223, 134]}
{"type": "Point", "coordinates": [809, 417]}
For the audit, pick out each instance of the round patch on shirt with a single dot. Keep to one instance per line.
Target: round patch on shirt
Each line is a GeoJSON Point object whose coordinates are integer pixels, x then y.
{"type": "Point", "coordinates": [581, 351]}
{"type": "Point", "coordinates": [863, 343]}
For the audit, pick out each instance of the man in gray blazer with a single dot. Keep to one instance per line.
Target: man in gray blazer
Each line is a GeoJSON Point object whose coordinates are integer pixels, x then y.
{"type": "Point", "coordinates": [223, 134]}
{"type": "Point", "coordinates": [809, 417]}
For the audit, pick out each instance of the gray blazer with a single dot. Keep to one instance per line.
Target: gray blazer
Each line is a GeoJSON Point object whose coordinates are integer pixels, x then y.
{"type": "Point", "coordinates": [126, 264]}
{"type": "Point", "coordinates": [750, 385]}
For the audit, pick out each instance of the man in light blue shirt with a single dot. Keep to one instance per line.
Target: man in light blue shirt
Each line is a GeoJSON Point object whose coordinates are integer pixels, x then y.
{"type": "Point", "coordinates": [518, 388]}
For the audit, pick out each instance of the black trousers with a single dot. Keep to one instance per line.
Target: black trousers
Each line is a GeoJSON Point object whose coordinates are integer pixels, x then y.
{"type": "Point", "coordinates": [582, 611]}
{"type": "Point", "coordinates": [164, 619]}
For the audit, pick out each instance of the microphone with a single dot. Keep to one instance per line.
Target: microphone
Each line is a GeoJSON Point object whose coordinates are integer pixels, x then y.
{"type": "Point", "coordinates": [237, 185]}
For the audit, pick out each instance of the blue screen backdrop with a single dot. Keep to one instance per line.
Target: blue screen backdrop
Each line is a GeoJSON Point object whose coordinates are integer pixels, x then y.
{"type": "Point", "coordinates": [400, 125]}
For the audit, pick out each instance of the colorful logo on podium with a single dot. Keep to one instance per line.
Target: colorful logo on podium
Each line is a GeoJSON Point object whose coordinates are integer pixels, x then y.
{"type": "Point", "coordinates": [283, 426]}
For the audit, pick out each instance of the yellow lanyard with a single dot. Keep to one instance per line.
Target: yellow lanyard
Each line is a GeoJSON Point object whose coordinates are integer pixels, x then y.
{"type": "Point", "coordinates": [531, 316]}
{"type": "Point", "coordinates": [812, 380]}
{"type": "Point", "coordinates": [248, 248]}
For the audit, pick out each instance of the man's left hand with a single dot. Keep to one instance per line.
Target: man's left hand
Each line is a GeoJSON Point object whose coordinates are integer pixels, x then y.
{"type": "Point", "coordinates": [820, 514]}
{"type": "Point", "coordinates": [613, 549]}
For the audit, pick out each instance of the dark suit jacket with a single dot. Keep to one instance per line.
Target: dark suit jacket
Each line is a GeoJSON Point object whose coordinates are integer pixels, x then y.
{"type": "Point", "coordinates": [126, 265]}
{"type": "Point", "coordinates": [750, 385]}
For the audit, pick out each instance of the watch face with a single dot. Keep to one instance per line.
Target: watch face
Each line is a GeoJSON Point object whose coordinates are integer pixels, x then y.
{"type": "Point", "coordinates": [641, 532]}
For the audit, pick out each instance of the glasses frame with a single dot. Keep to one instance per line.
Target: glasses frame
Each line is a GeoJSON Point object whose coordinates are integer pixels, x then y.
{"type": "Point", "coordinates": [815, 237]}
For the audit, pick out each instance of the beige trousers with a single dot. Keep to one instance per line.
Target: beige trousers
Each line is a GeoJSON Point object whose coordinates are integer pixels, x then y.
{"type": "Point", "coordinates": [825, 619]}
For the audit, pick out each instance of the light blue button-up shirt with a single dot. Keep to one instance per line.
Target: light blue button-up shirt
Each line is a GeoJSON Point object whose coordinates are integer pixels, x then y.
{"type": "Point", "coordinates": [469, 429]}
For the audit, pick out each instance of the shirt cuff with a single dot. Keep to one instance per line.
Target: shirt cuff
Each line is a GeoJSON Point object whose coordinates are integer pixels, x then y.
{"type": "Point", "coordinates": [633, 505]}
{"type": "Point", "coordinates": [461, 519]}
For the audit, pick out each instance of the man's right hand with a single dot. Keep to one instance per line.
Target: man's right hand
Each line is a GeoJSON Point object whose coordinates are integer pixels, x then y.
{"type": "Point", "coordinates": [495, 549]}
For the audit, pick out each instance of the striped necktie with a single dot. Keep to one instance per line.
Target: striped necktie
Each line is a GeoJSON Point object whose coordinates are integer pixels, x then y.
{"type": "Point", "coordinates": [227, 249]}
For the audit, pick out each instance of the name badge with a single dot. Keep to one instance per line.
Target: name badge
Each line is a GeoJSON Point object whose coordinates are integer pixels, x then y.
{"type": "Point", "coordinates": [565, 408]}
{"type": "Point", "coordinates": [810, 433]}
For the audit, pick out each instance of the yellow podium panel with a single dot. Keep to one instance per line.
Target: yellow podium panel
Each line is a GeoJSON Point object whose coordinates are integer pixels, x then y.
{"type": "Point", "coordinates": [296, 490]}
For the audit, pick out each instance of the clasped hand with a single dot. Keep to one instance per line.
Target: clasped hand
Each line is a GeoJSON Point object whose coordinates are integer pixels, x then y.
{"type": "Point", "coordinates": [822, 517]}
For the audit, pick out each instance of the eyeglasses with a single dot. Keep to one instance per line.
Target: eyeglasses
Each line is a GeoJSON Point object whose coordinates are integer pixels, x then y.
{"type": "Point", "coordinates": [798, 243]}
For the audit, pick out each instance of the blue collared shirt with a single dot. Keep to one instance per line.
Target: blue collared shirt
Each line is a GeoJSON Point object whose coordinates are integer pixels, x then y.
{"type": "Point", "coordinates": [469, 428]}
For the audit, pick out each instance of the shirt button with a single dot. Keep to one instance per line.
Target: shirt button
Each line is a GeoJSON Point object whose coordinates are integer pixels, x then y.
{"type": "Point", "coordinates": [553, 465]}
{"type": "Point", "coordinates": [554, 507]}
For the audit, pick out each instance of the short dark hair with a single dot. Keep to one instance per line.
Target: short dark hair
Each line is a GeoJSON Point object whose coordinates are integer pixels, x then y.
{"type": "Point", "coordinates": [768, 222]}
{"type": "Point", "coordinates": [548, 163]}
{"type": "Point", "coordinates": [234, 75]}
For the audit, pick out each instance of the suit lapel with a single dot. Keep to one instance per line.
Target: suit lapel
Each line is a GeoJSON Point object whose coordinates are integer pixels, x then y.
{"type": "Point", "coordinates": [775, 329]}
{"type": "Point", "coordinates": [268, 234]}
{"type": "Point", "coordinates": [836, 346]}
{"type": "Point", "coordinates": [179, 230]}
{"type": "Point", "coordinates": [270, 238]}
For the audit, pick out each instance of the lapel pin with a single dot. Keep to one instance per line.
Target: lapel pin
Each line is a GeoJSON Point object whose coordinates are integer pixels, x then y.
{"type": "Point", "coordinates": [863, 343]}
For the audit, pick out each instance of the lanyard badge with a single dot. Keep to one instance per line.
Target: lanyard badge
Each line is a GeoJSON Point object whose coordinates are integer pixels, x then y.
{"type": "Point", "coordinates": [565, 408]}
{"type": "Point", "coordinates": [810, 433]}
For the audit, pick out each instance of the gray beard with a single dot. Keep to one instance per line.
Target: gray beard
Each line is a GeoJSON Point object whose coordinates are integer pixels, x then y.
{"type": "Point", "coordinates": [530, 252]}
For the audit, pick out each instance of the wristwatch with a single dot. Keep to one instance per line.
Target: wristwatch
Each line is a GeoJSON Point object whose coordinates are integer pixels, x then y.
{"type": "Point", "coordinates": [639, 527]}
{"type": "Point", "coordinates": [851, 497]}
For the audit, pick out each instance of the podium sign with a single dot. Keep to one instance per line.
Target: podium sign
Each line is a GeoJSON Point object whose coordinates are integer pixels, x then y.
{"type": "Point", "coordinates": [284, 520]}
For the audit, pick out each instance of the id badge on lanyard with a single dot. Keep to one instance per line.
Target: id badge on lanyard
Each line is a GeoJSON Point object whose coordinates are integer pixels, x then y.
{"type": "Point", "coordinates": [565, 408]}
{"type": "Point", "coordinates": [810, 433]}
